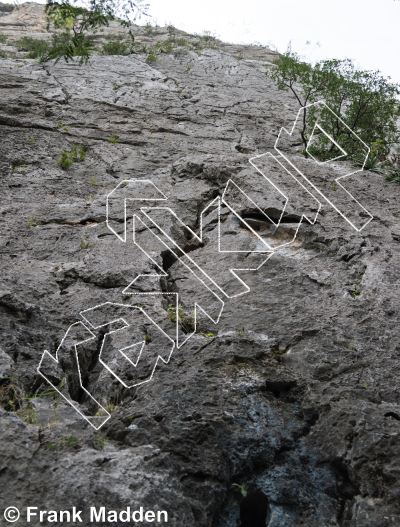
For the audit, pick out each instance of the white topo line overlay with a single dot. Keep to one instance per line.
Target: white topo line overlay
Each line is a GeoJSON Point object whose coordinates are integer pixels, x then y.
{"type": "Point", "coordinates": [337, 180]}
{"type": "Point", "coordinates": [142, 191]}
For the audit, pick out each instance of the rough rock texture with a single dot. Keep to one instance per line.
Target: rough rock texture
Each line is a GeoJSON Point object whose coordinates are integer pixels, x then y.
{"type": "Point", "coordinates": [295, 395]}
{"type": "Point", "coordinates": [29, 20]}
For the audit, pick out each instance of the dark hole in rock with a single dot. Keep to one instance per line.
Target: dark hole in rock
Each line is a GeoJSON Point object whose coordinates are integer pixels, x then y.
{"type": "Point", "coordinates": [393, 415]}
{"type": "Point", "coordinates": [254, 510]}
{"type": "Point", "coordinates": [242, 149]}
{"type": "Point", "coordinates": [344, 486]}
{"type": "Point", "coordinates": [273, 215]}
{"type": "Point", "coordinates": [279, 388]}
{"type": "Point", "coordinates": [168, 259]}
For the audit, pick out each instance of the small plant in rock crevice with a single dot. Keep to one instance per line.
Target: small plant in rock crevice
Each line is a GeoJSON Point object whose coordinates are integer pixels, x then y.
{"type": "Point", "coordinates": [110, 407]}
{"type": "Point", "coordinates": [11, 395]}
{"type": "Point", "coordinates": [393, 174]}
{"type": "Point", "coordinates": [151, 57]}
{"type": "Point", "coordinates": [14, 399]}
{"type": "Point", "coordinates": [63, 127]}
{"type": "Point", "coordinates": [186, 321]}
{"type": "Point", "coordinates": [239, 488]}
{"type": "Point", "coordinates": [350, 346]}
{"type": "Point", "coordinates": [372, 163]}
{"type": "Point", "coordinates": [66, 159]}
{"type": "Point", "coordinates": [148, 29]}
{"type": "Point", "coordinates": [63, 442]}
{"type": "Point", "coordinates": [32, 223]}
{"type": "Point", "coordinates": [84, 243]}
{"type": "Point", "coordinates": [278, 356]}
{"type": "Point", "coordinates": [99, 442]}
{"type": "Point", "coordinates": [172, 312]}
{"type": "Point", "coordinates": [29, 416]}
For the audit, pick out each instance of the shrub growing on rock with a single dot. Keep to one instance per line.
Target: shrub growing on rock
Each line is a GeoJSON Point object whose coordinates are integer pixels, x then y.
{"type": "Point", "coordinates": [394, 167]}
{"type": "Point", "coordinates": [61, 46]}
{"type": "Point", "coordinates": [118, 46]}
{"type": "Point", "coordinates": [364, 100]}
{"type": "Point", "coordinates": [151, 57]}
{"type": "Point", "coordinates": [80, 23]}
{"type": "Point", "coordinates": [67, 158]}
{"type": "Point", "coordinates": [35, 46]}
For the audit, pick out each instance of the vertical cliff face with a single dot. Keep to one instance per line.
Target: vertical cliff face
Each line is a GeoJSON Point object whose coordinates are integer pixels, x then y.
{"type": "Point", "coordinates": [284, 413]}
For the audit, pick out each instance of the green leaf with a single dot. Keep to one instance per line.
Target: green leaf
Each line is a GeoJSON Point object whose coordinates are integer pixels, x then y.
{"type": "Point", "coordinates": [365, 101]}
{"type": "Point", "coordinates": [239, 488]}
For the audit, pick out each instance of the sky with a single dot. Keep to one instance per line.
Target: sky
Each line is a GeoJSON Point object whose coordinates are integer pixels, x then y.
{"type": "Point", "coordinates": [366, 31]}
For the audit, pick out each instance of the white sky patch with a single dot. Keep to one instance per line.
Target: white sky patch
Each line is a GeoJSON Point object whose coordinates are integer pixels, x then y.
{"type": "Point", "coordinates": [362, 30]}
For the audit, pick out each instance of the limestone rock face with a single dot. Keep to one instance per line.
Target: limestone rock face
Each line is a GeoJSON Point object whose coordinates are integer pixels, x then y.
{"type": "Point", "coordinates": [287, 411]}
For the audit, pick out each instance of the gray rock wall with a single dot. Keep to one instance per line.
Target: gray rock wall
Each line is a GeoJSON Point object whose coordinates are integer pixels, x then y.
{"type": "Point", "coordinates": [295, 395]}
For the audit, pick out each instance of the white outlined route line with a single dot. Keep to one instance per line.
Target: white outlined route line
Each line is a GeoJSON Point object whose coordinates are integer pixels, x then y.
{"type": "Point", "coordinates": [163, 273]}
{"type": "Point", "coordinates": [146, 191]}
{"type": "Point", "coordinates": [126, 327]}
{"type": "Point", "coordinates": [200, 271]}
{"type": "Point", "coordinates": [124, 352]}
{"type": "Point", "coordinates": [226, 203]}
{"type": "Point", "coordinates": [216, 201]}
{"type": "Point", "coordinates": [344, 153]}
{"type": "Point", "coordinates": [94, 420]}
{"type": "Point", "coordinates": [144, 210]}
{"type": "Point", "coordinates": [337, 180]}
{"type": "Point", "coordinates": [287, 198]}
{"type": "Point", "coordinates": [134, 186]}
{"type": "Point", "coordinates": [199, 237]}
{"type": "Point", "coordinates": [75, 405]}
